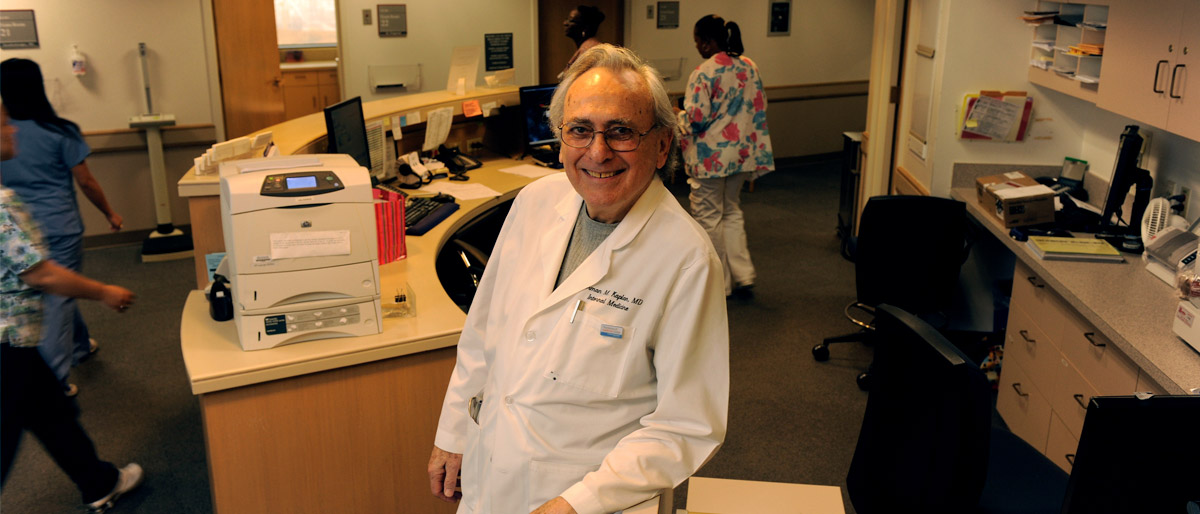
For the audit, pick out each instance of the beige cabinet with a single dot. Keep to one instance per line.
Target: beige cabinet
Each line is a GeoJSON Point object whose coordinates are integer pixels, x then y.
{"type": "Point", "coordinates": [306, 92]}
{"type": "Point", "coordinates": [1054, 363]}
{"type": "Point", "coordinates": [1151, 47]}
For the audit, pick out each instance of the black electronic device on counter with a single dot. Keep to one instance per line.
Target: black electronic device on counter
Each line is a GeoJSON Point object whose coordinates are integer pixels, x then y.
{"type": "Point", "coordinates": [1126, 175]}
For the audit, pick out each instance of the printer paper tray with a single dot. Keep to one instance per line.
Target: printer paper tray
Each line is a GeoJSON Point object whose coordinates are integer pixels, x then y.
{"type": "Point", "coordinates": [279, 290]}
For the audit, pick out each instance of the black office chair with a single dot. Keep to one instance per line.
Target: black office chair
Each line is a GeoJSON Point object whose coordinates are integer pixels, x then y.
{"type": "Point", "coordinates": [927, 444]}
{"type": "Point", "coordinates": [908, 254]}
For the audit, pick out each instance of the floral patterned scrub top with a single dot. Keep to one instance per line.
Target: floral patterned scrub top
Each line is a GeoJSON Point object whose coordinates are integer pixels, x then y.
{"type": "Point", "coordinates": [724, 120]}
{"type": "Point", "coordinates": [21, 247]}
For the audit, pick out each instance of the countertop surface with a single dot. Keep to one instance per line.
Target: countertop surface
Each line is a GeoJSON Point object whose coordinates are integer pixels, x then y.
{"type": "Point", "coordinates": [308, 66]}
{"type": "Point", "coordinates": [1123, 301]}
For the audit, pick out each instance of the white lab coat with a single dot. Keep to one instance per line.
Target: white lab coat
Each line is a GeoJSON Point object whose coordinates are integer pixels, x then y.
{"type": "Point", "coordinates": [569, 408]}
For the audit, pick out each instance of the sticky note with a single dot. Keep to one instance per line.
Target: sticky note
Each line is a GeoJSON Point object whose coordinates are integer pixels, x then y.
{"type": "Point", "coordinates": [471, 108]}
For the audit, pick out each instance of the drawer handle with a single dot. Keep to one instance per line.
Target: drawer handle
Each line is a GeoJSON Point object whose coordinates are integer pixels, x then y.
{"type": "Point", "coordinates": [1017, 388]}
{"type": "Point", "coordinates": [1079, 400]}
{"type": "Point", "coordinates": [1025, 336]}
{"type": "Point", "coordinates": [1071, 458]}
{"type": "Point", "coordinates": [1035, 282]}
{"type": "Point", "coordinates": [1089, 336]}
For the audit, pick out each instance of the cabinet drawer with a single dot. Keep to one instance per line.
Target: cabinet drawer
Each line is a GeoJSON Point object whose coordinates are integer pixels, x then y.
{"type": "Point", "coordinates": [1069, 396]}
{"type": "Point", "coordinates": [299, 78]}
{"type": "Point", "coordinates": [1029, 346]}
{"type": "Point", "coordinates": [1022, 406]}
{"type": "Point", "coordinates": [1044, 307]}
{"type": "Point", "coordinates": [1061, 444]}
{"type": "Point", "coordinates": [327, 78]}
{"type": "Point", "coordinates": [1100, 363]}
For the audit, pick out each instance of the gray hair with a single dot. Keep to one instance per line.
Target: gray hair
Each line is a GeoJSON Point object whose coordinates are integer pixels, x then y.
{"type": "Point", "coordinates": [619, 59]}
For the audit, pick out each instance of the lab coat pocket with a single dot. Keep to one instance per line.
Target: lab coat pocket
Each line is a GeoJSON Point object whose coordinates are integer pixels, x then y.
{"type": "Point", "coordinates": [550, 479]}
{"type": "Point", "coordinates": [591, 355]}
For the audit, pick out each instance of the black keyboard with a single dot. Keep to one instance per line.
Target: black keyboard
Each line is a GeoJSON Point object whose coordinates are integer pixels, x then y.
{"type": "Point", "coordinates": [423, 213]}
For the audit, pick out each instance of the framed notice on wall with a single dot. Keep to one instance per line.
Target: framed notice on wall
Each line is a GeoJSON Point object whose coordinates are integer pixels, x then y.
{"type": "Point", "coordinates": [18, 29]}
{"type": "Point", "coordinates": [498, 49]}
{"type": "Point", "coordinates": [393, 20]}
{"type": "Point", "coordinates": [780, 21]}
{"type": "Point", "coordinates": [668, 15]}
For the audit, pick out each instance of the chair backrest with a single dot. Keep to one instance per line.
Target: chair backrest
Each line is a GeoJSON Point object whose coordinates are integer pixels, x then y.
{"type": "Point", "coordinates": [909, 252]}
{"type": "Point", "coordinates": [923, 445]}
{"type": "Point", "coordinates": [1136, 455]}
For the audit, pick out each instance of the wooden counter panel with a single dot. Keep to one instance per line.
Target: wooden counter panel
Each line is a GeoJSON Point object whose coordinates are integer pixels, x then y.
{"type": "Point", "coordinates": [350, 440]}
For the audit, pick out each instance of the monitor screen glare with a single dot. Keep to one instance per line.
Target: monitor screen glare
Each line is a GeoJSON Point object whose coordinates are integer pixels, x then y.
{"type": "Point", "coordinates": [346, 131]}
{"type": "Point", "coordinates": [535, 104]}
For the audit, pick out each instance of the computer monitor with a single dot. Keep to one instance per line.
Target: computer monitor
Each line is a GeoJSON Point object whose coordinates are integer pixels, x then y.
{"type": "Point", "coordinates": [535, 104]}
{"type": "Point", "coordinates": [346, 131]}
{"type": "Point", "coordinates": [1136, 455]}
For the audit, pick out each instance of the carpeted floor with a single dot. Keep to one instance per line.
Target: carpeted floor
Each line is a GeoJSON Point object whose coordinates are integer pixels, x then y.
{"type": "Point", "coordinates": [791, 419]}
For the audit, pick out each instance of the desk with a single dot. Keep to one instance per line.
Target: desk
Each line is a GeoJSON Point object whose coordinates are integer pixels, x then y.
{"type": "Point", "coordinates": [336, 425]}
{"type": "Point", "coordinates": [1123, 301]}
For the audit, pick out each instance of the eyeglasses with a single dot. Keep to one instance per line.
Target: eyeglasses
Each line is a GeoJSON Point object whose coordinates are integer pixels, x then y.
{"type": "Point", "coordinates": [619, 139]}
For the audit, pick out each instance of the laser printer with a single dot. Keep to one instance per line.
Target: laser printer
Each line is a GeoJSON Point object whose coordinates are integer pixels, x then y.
{"type": "Point", "coordinates": [300, 245]}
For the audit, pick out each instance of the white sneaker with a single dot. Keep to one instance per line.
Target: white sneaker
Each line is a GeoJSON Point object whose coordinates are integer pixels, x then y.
{"type": "Point", "coordinates": [129, 478]}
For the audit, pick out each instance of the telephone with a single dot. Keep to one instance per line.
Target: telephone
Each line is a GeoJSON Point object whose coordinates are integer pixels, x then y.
{"type": "Point", "coordinates": [456, 162]}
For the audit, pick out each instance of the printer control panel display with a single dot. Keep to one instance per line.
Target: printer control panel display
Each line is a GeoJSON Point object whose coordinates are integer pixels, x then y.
{"type": "Point", "coordinates": [301, 183]}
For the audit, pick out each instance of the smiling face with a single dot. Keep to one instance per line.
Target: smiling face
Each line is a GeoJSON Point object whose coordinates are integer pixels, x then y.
{"type": "Point", "coordinates": [611, 182]}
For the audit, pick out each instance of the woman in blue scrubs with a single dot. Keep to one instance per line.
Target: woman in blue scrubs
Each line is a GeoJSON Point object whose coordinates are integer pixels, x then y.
{"type": "Point", "coordinates": [49, 162]}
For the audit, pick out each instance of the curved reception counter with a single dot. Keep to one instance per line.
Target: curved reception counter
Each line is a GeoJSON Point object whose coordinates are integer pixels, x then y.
{"type": "Point", "coordinates": [334, 425]}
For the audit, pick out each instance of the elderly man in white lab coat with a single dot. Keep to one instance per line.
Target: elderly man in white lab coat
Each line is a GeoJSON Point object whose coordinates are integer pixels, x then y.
{"type": "Point", "coordinates": [593, 370]}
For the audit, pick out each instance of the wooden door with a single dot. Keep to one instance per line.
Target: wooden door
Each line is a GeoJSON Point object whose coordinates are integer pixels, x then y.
{"type": "Point", "coordinates": [248, 57]}
{"type": "Point", "coordinates": [555, 48]}
{"type": "Point", "coordinates": [1139, 52]}
{"type": "Point", "coordinates": [1184, 118]}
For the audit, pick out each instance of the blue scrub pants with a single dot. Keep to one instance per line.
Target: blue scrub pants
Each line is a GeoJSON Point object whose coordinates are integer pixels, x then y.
{"type": "Point", "coordinates": [64, 334]}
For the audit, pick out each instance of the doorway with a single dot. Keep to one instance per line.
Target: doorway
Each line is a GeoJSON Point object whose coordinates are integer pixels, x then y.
{"type": "Point", "coordinates": [555, 49]}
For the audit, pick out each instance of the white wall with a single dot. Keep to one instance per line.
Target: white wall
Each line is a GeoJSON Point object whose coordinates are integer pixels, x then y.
{"type": "Point", "coordinates": [988, 48]}
{"type": "Point", "coordinates": [984, 46]}
{"type": "Point", "coordinates": [434, 29]}
{"type": "Point", "coordinates": [830, 41]}
{"type": "Point", "coordinates": [108, 34]}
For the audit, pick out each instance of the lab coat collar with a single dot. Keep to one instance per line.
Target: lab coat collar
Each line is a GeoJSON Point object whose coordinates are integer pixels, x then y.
{"type": "Point", "coordinates": [554, 243]}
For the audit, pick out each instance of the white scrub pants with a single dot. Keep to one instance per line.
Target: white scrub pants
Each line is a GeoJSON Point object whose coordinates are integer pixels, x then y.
{"type": "Point", "coordinates": [716, 206]}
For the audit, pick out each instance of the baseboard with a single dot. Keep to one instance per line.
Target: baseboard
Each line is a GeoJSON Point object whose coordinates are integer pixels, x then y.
{"type": "Point", "coordinates": [125, 237]}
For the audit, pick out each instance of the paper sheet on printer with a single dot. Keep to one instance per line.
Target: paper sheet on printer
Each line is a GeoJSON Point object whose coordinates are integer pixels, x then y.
{"type": "Point", "coordinates": [290, 245]}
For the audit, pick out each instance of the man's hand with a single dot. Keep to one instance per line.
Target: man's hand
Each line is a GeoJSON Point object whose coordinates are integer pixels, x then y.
{"type": "Point", "coordinates": [116, 298]}
{"type": "Point", "coordinates": [443, 474]}
{"type": "Point", "coordinates": [556, 506]}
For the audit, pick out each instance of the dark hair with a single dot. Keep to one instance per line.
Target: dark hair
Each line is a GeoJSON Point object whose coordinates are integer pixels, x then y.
{"type": "Point", "coordinates": [589, 19]}
{"type": "Point", "coordinates": [727, 35]}
{"type": "Point", "coordinates": [24, 95]}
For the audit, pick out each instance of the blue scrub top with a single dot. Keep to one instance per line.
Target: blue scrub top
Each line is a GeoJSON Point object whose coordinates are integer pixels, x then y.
{"type": "Point", "coordinates": [41, 175]}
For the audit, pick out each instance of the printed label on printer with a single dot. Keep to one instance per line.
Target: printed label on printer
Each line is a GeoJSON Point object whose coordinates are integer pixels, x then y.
{"type": "Point", "coordinates": [275, 324]}
{"type": "Point", "coordinates": [263, 260]}
{"type": "Point", "coordinates": [1186, 317]}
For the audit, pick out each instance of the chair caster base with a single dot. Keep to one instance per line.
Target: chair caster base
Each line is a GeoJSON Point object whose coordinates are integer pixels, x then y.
{"type": "Point", "coordinates": [864, 381]}
{"type": "Point", "coordinates": [821, 352]}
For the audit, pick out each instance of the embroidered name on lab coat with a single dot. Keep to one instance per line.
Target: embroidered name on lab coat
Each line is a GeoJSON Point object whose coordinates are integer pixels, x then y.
{"type": "Point", "coordinates": [612, 299]}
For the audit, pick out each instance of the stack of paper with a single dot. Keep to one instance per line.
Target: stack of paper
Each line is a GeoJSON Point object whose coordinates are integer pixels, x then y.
{"type": "Point", "coordinates": [1073, 249]}
{"type": "Point", "coordinates": [1086, 49]}
{"type": "Point", "coordinates": [389, 225]}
